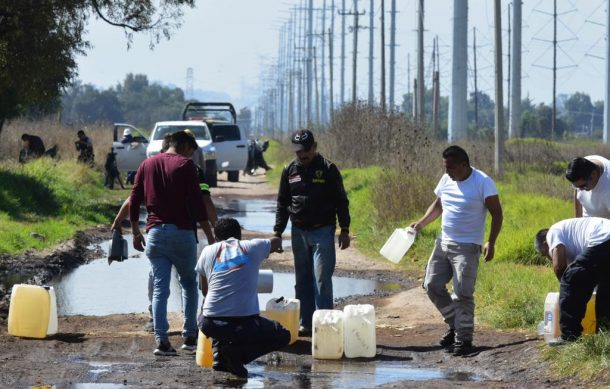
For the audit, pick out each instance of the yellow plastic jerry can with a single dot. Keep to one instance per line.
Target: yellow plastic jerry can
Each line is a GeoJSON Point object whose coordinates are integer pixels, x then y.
{"type": "Point", "coordinates": [204, 356]}
{"type": "Point", "coordinates": [30, 311]}
{"type": "Point", "coordinates": [589, 322]}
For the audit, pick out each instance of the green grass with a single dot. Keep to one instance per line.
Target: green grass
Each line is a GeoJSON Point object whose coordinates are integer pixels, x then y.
{"type": "Point", "coordinates": [53, 199]}
{"type": "Point", "coordinates": [588, 358]}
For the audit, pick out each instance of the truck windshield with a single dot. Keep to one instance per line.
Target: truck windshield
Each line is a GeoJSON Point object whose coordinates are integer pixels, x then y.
{"type": "Point", "coordinates": [201, 132]}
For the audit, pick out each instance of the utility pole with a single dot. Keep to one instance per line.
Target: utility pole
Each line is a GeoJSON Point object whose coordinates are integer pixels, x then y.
{"type": "Point", "coordinates": [606, 135]}
{"type": "Point", "coordinates": [355, 29]}
{"type": "Point", "coordinates": [309, 64]}
{"type": "Point", "coordinates": [409, 91]}
{"type": "Point", "coordinates": [515, 113]}
{"type": "Point", "coordinates": [382, 96]}
{"type": "Point", "coordinates": [331, 73]}
{"type": "Point", "coordinates": [317, 96]}
{"type": "Point", "coordinates": [499, 130]}
{"type": "Point", "coordinates": [189, 84]}
{"type": "Point", "coordinates": [393, 54]}
{"type": "Point", "coordinates": [508, 64]}
{"type": "Point", "coordinates": [554, 118]}
{"type": "Point", "coordinates": [371, 52]}
{"type": "Point", "coordinates": [323, 66]}
{"type": "Point", "coordinates": [343, 14]}
{"type": "Point", "coordinates": [420, 64]}
{"type": "Point", "coordinates": [458, 99]}
{"type": "Point", "coordinates": [476, 90]}
{"type": "Point", "coordinates": [436, 91]}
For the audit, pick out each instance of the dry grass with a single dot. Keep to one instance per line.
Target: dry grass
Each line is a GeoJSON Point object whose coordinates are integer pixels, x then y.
{"type": "Point", "coordinates": [54, 133]}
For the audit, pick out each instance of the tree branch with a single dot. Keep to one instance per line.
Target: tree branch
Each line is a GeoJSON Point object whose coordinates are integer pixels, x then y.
{"type": "Point", "coordinates": [99, 13]}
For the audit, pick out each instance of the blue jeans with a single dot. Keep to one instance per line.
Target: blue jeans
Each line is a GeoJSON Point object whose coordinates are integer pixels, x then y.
{"type": "Point", "coordinates": [166, 246]}
{"type": "Point", "coordinates": [314, 264]}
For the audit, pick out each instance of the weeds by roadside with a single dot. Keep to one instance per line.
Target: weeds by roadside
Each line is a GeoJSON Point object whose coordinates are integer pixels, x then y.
{"type": "Point", "coordinates": [589, 357]}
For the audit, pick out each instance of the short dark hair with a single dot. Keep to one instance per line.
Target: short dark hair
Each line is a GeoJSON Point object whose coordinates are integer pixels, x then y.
{"type": "Point", "coordinates": [580, 169]}
{"type": "Point", "coordinates": [456, 153]}
{"type": "Point", "coordinates": [181, 138]}
{"type": "Point", "coordinates": [227, 227]}
{"type": "Point", "coordinates": [80, 132]}
{"type": "Point", "coordinates": [25, 137]}
{"type": "Point", "coordinates": [165, 143]}
{"type": "Point", "coordinates": [540, 239]}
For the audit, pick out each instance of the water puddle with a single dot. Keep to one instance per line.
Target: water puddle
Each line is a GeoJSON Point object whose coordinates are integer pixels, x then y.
{"type": "Point", "coordinates": [98, 289]}
{"type": "Point", "coordinates": [253, 214]}
{"type": "Point", "coordinates": [346, 374]}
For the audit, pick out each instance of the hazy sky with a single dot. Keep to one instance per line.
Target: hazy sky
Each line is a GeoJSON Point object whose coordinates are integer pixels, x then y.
{"type": "Point", "coordinates": [229, 42]}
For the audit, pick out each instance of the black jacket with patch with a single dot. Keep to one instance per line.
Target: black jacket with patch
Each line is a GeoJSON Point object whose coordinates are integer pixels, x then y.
{"type": "Point", "coordinates": [311, 196]}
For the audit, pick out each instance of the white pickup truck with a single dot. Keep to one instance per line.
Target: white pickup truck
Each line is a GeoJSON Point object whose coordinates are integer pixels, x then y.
{"type": "Point", "coordinates": [229, 140]}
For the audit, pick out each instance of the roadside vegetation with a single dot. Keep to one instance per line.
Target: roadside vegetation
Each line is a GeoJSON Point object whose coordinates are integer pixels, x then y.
{"type": "Point", "coordinates": [390, 182]}
{"type": "Point", "coordinates": [48, 200]}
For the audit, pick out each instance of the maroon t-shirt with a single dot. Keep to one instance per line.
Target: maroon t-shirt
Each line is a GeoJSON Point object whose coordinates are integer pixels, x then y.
{"type": "Point", "coordinates": [167, 184]}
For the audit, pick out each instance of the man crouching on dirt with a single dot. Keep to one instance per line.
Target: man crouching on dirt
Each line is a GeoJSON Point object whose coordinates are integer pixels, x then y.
{"type": "Point", "coordinates": [464, 195]}
{"type": "Point", "coordinates": [169, 187]}
{"type": "Point", "coordinates": [228, 276]}
{"type": "Point", "coordinates": [580, 251]}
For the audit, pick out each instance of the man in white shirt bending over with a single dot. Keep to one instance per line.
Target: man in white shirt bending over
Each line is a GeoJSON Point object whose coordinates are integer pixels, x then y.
{"type": "Point", "coordinates": [464, 195]}
{"type": "Point", "coordinates": [580, 251]}
{"type": "Point", "coordinates": [590, 178]}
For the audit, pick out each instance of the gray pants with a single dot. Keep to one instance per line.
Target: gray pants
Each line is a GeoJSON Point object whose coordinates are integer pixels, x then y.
{"type": "Point", "coordinates": [459, 261]}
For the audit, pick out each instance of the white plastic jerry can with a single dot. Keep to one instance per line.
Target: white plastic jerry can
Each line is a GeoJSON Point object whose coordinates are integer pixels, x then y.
{"type": "Point", "coordinates": [32, 311]}
{"type": "Point", "coordinates": [327, 335]}
{"type": "Point", "coordinates": [551, 318]}
{"type": "Point", "coordinates": [359, 331]}
{"type": "Point", "coordinates": [398, 244]}
{"type": "Point", "coordinates": [286, 312]}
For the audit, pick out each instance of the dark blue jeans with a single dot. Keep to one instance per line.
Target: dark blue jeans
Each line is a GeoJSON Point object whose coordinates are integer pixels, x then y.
{"type": "Point", "coordinates": [591, 268]}
{"type": "Point", "coordinates": [248, 337]}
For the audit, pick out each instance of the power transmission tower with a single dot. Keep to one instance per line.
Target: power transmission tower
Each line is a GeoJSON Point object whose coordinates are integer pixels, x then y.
{"type": "Point", "coordinates": [189, 84]}
{"type": "Point", "coordinates": [323, 67]}
{"type": "Point", "coordinates": [309, 62]}
{"type": "Point", "coordinates": [499, 111]}
{"type": "Point", "coordinates": [317, 95]}
{"type": "Point", "coordinates": [392, 55]}
{"type": "Point", "coordinates": [382, 96]}
{"type": "Point", "coordinates": [331, 37]}
{"type": "Point", "coordinates": [508, 101]}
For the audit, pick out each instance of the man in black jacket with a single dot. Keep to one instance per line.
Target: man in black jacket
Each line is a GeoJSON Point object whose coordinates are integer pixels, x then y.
{"type": "Point", "coordinates": [311, 193]}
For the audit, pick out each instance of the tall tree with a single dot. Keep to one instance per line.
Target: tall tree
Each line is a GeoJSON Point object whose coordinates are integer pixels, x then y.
{"type": "Point", "coordinates": [39, 40]}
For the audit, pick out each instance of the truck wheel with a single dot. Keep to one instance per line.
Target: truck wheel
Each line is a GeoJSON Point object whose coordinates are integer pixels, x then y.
{"type": "Point", "coordinates": [233, 176]}
{"type": "Point", "coordinates": [211, 173]}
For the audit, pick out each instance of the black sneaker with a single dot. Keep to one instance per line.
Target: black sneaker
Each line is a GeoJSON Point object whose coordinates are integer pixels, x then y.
{"type": "Point", "coordinates": [231, 362]}
{"type": "Point", "coordinates": [190, 344]}
{"type": "Point", "coordinates": [448, 338]}
{"type": "Point", "coordinates": [150, 326]}
{"type": "Point", "coordinates": [164, 348]}
{"type": "Point", "coordinates": [462, 348]}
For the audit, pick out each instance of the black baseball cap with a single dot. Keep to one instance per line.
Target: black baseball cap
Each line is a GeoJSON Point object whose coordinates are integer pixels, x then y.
{"type": "Point", "coordinates": [302, 140]}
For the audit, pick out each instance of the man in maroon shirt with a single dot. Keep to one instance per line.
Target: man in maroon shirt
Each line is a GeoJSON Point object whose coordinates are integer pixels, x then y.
{"type": "Point", "coordinates": [168, 186]}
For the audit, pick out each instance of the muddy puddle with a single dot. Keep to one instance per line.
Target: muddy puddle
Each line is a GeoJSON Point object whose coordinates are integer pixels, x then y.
{"type": "Point", "coordinates": [99, 289]}
{"type": "Point", "coordinates": [252, 214]}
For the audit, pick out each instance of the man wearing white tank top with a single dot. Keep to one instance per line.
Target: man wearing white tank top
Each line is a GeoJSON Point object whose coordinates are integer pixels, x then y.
{"type": "Point", "coordinates": [590, 178]}
{"type": "Point", "coordinates": [464, 195]}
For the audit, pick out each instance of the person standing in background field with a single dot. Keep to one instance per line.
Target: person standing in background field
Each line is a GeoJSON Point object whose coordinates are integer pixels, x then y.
{"type": "Point", "coordinates": [312, 194]}
{"type": "Point", "coordinates": [463, 197]}
{"type": "Point", "coordinates": [169, 187]}
{"type": "Point", "coordinates": [84, 146]}
{"type": "Point", "coordinates": [590, 178]}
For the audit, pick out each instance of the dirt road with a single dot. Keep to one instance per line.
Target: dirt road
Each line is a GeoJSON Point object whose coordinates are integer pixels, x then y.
{"type": "Point", "coordinates": [114, 350]}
